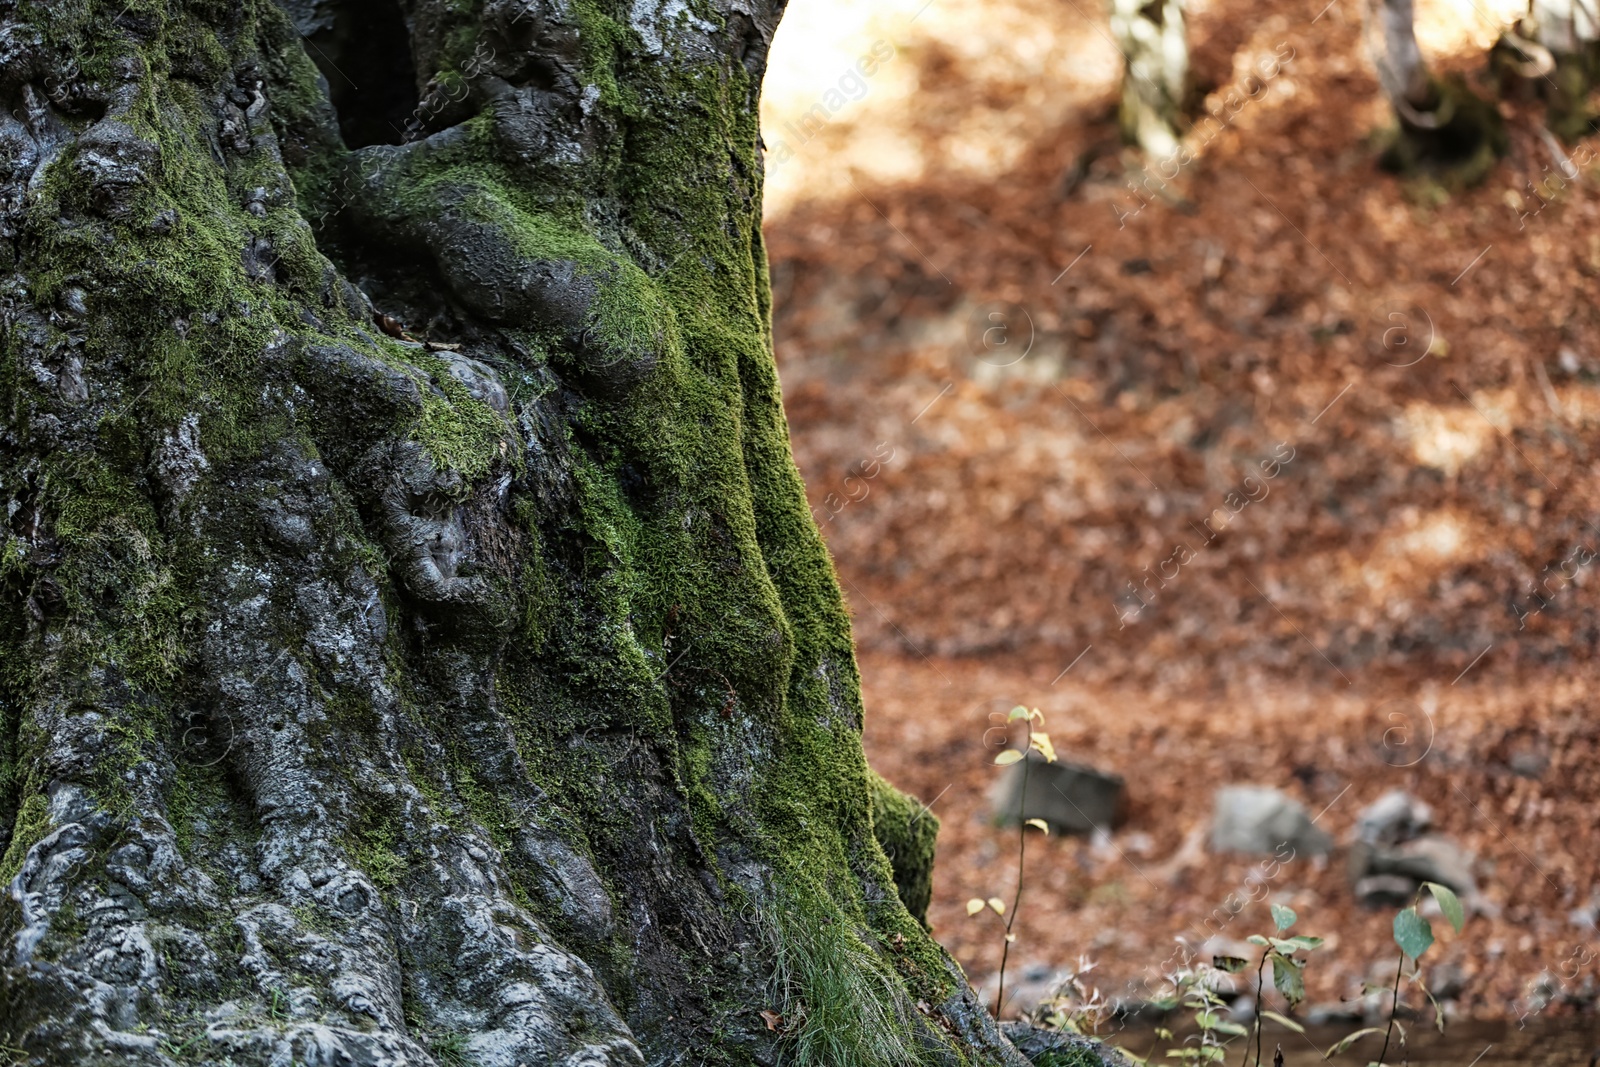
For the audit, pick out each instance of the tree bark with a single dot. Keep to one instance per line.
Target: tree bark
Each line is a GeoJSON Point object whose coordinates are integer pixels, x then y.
{"type": "Point", "coordinates": [415, 648]}
{"type": "Point", "coordinates": [1401, 71]}
{"type": "Point", "coordinates": [1442, 129]}
{"type": "Point", "coordinates": [1155, 50]}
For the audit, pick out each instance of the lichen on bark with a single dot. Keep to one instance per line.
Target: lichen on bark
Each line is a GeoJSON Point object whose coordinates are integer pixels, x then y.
{"type": "Point", "coordinates": [416, 646]}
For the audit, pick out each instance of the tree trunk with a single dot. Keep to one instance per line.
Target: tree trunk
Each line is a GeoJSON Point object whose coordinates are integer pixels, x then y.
{"type": "Point", "coordinates": [1155, 50]}
{"type": "Point", "coordinates": [1555, 50]}
{"type": "Point", "coordinates": [416, 646]}
{"type": "Point", "coordinates": [1401, 72]}
{"type": "Point", "coordinates": [1442, 127]}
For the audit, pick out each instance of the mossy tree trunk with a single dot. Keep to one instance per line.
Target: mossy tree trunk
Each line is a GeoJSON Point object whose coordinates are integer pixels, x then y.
{"type": "Point", "coordinates": [416, 646]}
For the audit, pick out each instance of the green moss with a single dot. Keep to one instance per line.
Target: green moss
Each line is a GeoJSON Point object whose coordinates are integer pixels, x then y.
{"type": "Point", "coordinates": [201, 807]}
{"type": "Point", "coordinates": [460, 432]}
{"type": "Point", "coordinates": [67, 929]}
{"type": "Point", "coordinates": [375, 855]}
{"type": "Point", "coordinates": [906, 831]}
{"type": "Point", "coordinates": [31, 826]}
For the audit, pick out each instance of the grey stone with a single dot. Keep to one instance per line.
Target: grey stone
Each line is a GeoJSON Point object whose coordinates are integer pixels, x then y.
{"type": "Point", "coordinates": [1432, 858]}
{"type": "Point", "coordinates": [1530, 760]}
{"type": "Point", "coordinates": [1587, 916]}
{"type": "Point", "coordinates": [1394, 817]}
{"type": "Point", "coordinates": [1447, 981]}
{"type": "Point", "coordinates": [1070, 797]}
{"type": "Point", "coordinates": [1385, 890]}
{"type": "Point", "coordinates": [1393, 875]}
{"type": "Point", "coordinates": [1258, 819]}
{"type": "Point", "coordinates": [1334, 1013]}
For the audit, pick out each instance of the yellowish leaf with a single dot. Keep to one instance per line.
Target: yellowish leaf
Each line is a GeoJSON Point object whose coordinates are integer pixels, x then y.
{"type": "Point", "coordinates": [998, 905]}
{"type": "Point", "coordinates": [1009, 756]}
{"type": "Point", "coordinates": [1040, 823]}
{"type": "Point", "coordinates": [974, 905]}
{"type": "Point", "coordinates": [1042, 743]}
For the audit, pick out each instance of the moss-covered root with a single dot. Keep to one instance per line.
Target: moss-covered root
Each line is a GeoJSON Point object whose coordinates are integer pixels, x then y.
{"type": "Point", "coordinates": [1459, 144]}
{"type": "Point", "coordinates": [906, 831]}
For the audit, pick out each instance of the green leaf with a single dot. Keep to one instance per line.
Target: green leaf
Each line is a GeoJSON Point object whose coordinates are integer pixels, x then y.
{"type": "Point", "coordinates": [1009, 756]}
{"type": "Point", "coordinates": [1345, 1042]}
{"type": "Point", "coordinates": [1230, 964]}
{"type": "Point", "coordinates": [1284, 917]}
{"type": "Point", "coordinates": [1226, 1026]}
{"type": "Point", "coordinates": [1257, 939]}
{"type": "Point", "coordinates": [1449, 903]}
{"type": "Point", "coordinates": [1412, 933]}
{"type": "Point", "coordinates": [1297, 943]}
{"type": "Point", "coordinates": [1283, 1020]}
{"type": "Point", "coordinates": [1289, 977]}
{"type": "Point", "coordinates": [1018, 712]}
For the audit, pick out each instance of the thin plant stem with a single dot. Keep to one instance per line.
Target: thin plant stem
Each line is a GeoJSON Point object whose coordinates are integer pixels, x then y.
{"type": "Point", "coordinates": [1394, 1005]}
{"type": "Point", "coordinates": [1022, 845]}
{"type": "Point", "coordinates": [1260, 967]}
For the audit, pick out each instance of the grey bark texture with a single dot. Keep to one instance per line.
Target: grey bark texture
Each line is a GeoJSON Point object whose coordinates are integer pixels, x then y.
{"type": "Point", "coordinates": [1401, 71]}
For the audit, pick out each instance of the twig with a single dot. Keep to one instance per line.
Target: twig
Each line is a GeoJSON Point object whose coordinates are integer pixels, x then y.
{"type": "Point", "coordinates": [1022, 845]}
{"type": "Point", "coordinates": [1260, 967]}
{"type": "Point", "coordinates": [1394, 1005]}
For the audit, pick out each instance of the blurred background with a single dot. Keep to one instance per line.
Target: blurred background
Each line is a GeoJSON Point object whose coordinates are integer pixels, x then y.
{"type": "Point", "coordinates": [1276, 472]}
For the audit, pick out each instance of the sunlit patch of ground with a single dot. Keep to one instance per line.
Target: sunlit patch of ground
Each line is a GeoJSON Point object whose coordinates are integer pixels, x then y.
{"type": "Point", "coordinates": [852, 88]}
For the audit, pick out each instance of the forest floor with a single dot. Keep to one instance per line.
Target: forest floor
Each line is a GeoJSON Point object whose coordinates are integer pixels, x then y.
{"type": "Point", "coordinates": [1430, 358]}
